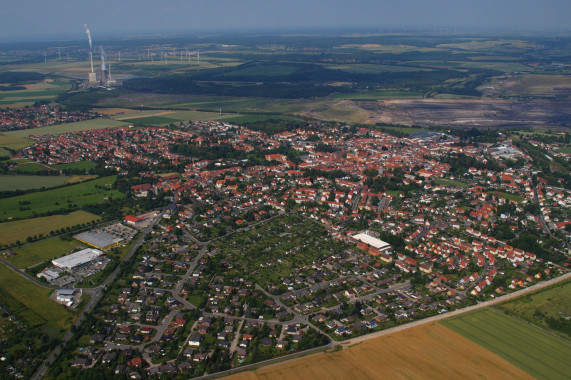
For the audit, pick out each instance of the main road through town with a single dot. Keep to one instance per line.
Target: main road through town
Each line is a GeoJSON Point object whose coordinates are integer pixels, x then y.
{"type": "Point", "coordinates": [96, 294]}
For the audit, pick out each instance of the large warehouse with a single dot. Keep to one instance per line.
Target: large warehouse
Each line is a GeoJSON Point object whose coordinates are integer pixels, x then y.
{"type": "Point", "coordinates": [77, 260]}
{"type": "Point", "coordinates": [99, 239]}
{"type": "Point", "coordinates": [372, 241]}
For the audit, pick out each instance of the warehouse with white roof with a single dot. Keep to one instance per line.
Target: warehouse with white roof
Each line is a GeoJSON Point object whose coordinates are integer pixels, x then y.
{"type": "Point", "coordinates": [77, 260]}
{"type": "Point", "coordinates": [372, 241]}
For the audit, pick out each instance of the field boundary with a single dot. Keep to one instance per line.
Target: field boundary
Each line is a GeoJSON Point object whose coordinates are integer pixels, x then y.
{"type": "Point", "coordinates": [531, 324]}
{"type": "Point", "coordinates": [392, 330]}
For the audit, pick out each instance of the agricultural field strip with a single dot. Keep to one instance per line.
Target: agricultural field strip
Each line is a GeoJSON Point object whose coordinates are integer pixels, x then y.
{"type": "Point", "coordinates": [516, 342]}
{"type": "Point", "coordinates": [68, 127]}
{"type": "Point", "coordinates": [439, 317]}
{"type": "Point", "coordinates": [450, 314]}
{"type": "Point", "coordinates": [11, 232]}
{"type": "Point", "coordinates": [25, 206]}
{"type": "Point", "coordinates": [26, 182]}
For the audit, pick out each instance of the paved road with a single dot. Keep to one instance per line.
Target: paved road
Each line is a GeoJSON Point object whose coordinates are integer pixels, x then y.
{"type": "Point", "coordinates": [27, 276]}
{"type": "Point", "coordinates": [96, 293]}
{"type": "Point", "coordinates": [481, 305]}
{"type": "Point", "coordinates": [498, 300]}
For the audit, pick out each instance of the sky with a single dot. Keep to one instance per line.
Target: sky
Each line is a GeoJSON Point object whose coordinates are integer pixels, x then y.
{"type": "Point", "coordinates": [29, 19]}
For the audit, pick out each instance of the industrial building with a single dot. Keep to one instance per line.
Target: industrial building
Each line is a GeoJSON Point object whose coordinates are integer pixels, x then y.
{"type": "Point", "coordinates": [77, 260]}
{"type": "Point", "coordinates": [371, 241]}
{"type": "Point", "coordinates": [99, 239]}
{"type": "Point", "coordinates": [66, 296]}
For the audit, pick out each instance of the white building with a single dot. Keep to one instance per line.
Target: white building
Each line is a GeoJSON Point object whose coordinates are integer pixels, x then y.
{"type": "Point", "coordinates": [77, 260]}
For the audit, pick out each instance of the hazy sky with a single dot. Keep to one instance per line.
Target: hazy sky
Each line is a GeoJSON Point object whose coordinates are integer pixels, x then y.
{"type": "Point", "coordinates": [29, 18]}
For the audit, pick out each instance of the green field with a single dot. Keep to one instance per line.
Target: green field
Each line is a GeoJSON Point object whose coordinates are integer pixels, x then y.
{"type": "Point", "coordinates": [451, 182]}
{"type": "Point", "coordinates": [566, 150]}
{"type": "Point", "coordinates": [363, 68]}
{"type": "Point", "coordinates": [265, 70]}
{"type": "Point", "coordinates": [164, 118]}
{"type": "Point", "coordinates": [36, 299]}
{"type": "Point", "coordinates": [508, 196]}
{"type": "Point", "coordinates": [69, 127]}
{"type": "Point", "coordinates": [81, 165]}
{"type": "Point", "coordinates": [533, 350]}
{"type": "Point", "coordinates": [64, 198]}
{"type": "Point", "coordinates": [380, 95]}
{"type": "Point", "coordinates": [554, 302]}
{"type": "Point", "coordinates": [35, 92]}
{"type": "Point", "coordinates": [10, 232]}
{"type": "Point", "coordinates": [151, 120]}
{"type": "Point", "coordinates": [31, 168]}
{"type": "Point", "coordinates": [405, 130]}
{"type": "Point", "coordinates": [36, 253]}
{"type": "Point", "coordinates": [26, 182]}
{"type": "Point", "coordinates": [14, 143]}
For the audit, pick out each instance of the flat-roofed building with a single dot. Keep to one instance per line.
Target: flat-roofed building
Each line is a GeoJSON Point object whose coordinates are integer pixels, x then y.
{"type": "Point", "coordinates": [99, 239]}
{"type": "Point", "coordinates": [371, 241]}
{"type": "Point", "coordinates": [77, 260]}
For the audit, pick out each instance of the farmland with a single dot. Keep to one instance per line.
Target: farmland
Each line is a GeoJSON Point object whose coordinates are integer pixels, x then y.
{"type": "Point", "coordinates": [36, 253]}
{"type": "Point", "coordinates": [416, 353]}
{"type": "Point", "coordinates": [14, 143]}
{"type": "Point", "coordinates": [533, 350]}
{"type": "Point", "coordinates": [69, 127]}
{"type": "Point", "coordinates": [64, 198]}
{"type": "Point", "coordinates": [554, 302]}
{"type": "Point", "coordinates": [36, 299]}
{"type": "Point", "coordinates": [26, 182]}
{"type": "Point", "coordinates": [11, 232]}
{"type": "Point", "coordinates": [34, 92]}
{"type": "Point", "coordinates": [167, 117]}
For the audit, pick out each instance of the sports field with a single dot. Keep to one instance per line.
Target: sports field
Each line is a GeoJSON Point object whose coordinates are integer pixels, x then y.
{"type": "Point", "coordinates": [69, 127]}
{"type": "Point", "coordinates": [63, 198]}
{"type": "Point", "coordinates": [425, 352]}
{"type": "Point", "coordinates": [533, 350]}
{"type": "Point", "coordinates": [10, 232]}
{"type": "Point", "coordinates": [508, 196]}
{"type": "Point", "coordinates": [36, 253]}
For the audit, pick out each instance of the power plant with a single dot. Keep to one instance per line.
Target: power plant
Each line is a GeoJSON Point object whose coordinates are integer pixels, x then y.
{"type": "Point", "coordinates": [105, 78]}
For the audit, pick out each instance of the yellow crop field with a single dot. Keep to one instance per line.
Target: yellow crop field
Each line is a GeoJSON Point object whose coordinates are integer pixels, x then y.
{"type": "Point", "coordinates": [429, 351]}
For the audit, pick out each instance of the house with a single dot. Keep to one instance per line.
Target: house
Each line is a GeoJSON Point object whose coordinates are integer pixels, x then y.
{"type": "Point", "coordinates": [194, 339]}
